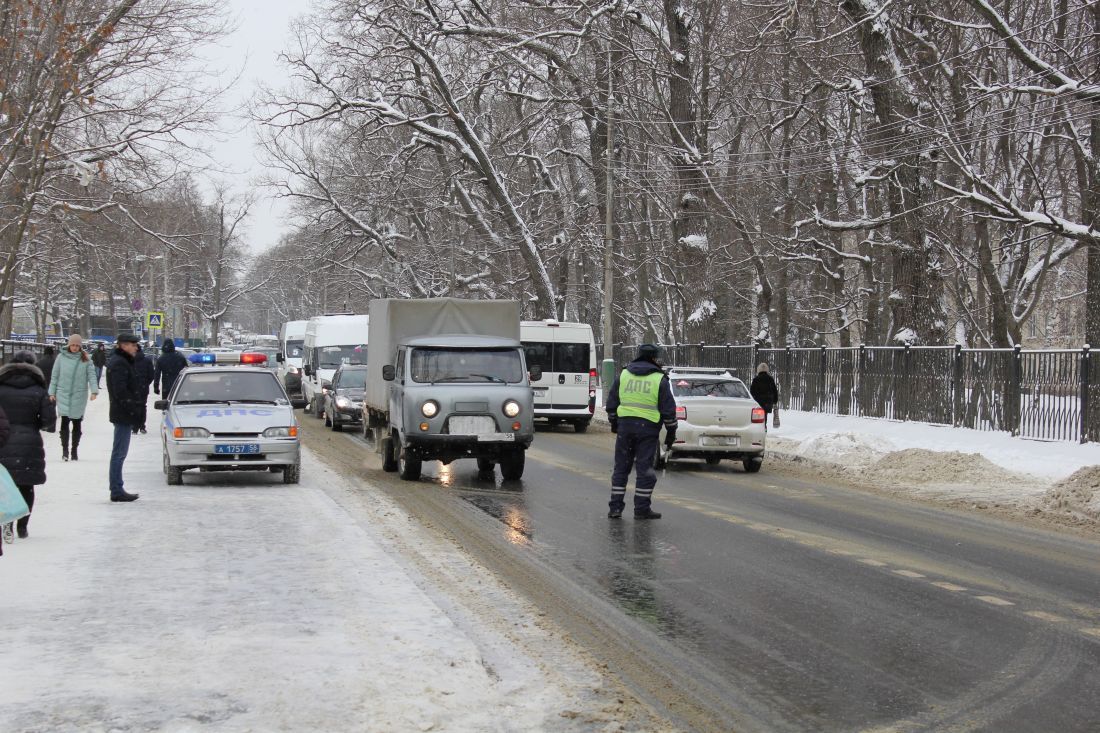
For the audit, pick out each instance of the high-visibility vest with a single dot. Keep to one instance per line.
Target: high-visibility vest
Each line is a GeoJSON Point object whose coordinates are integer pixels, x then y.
{"type": "Point", "coordinates": [638, 395]}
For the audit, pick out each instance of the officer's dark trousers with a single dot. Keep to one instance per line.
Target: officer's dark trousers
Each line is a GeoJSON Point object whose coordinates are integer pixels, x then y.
{"type": "Point", "coordinates": [635, 447]}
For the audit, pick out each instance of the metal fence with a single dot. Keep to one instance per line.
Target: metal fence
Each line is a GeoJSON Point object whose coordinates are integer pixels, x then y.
{"type": "Point", "coordinates": [8, 347]}
{"type": "Point", "coordinates": [1047, 394]}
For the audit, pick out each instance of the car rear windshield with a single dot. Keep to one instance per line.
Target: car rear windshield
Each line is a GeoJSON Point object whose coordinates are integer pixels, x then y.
{"type": "Point", "coordinates": [333, 357]}
{"type": "Point", "coordinates": [557, 357]}
{"type": "Point", "coordinates": [708, 388]}
{"type": "Point", "coordinates": [243, 386]}
{"type": "Point", "coordinates": [431, 364]}
{"type": "Point", "coordinates": [353, 379]}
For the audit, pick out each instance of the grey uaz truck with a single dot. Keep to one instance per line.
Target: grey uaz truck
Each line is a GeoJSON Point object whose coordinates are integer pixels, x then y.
{"type": "Point", "coordinates": [447, 379]}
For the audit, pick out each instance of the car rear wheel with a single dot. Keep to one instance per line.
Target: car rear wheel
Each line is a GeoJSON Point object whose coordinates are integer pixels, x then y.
{"type": "Point", "coordinates": [752, 465]}
{"type": "Point", "coordinates": [581, 425]}
{"type": "Point", "coordinates": [660, 461]}
{"type": "Point", "coordinates": [511, 465]}
{"type": "Point", "coordinates": [292, 474]}
{"type": "Point", "coordinates": [408, 465]}
{"type": "Point", "coordinates": [713, 460]}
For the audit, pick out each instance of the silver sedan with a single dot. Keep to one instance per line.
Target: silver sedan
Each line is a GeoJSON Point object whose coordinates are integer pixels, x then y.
{"type": "Point", "coordinates": [229, 419]}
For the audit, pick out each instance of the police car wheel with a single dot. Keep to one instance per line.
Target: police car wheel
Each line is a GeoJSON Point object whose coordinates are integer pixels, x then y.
{"type": "Point", "coordinates": [752, 465]}
{"type": "Point", "coordinates": [292, 474]}
{"type": "Point", "coordinates": [409, 466]}
{"type": "Point", "coordinates": [173, 474]}
{"type": "Point", "coordinates": [659, 460]}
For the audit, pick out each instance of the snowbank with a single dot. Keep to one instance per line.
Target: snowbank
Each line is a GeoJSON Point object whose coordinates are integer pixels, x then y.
{"type": "Point", "coordinates": [238, 603]}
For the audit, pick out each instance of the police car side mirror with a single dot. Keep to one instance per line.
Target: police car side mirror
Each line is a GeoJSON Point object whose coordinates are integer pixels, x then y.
{"type": "Point", "coordinates": [389, 373]}
{"type": "Point", "coordinates": [279, 357]}
{"type": "Point", "coordinates": [160, 405]}
{"type": "Point", "coordinates": [535, 373]}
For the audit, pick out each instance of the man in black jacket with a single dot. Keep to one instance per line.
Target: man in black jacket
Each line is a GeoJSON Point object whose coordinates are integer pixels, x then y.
{"type": "Point", "coordinates": [169, 366]}
{"type": "Point", "coordinates": [45, 364]}
{"type": "Point", "coordinates": [127, 392]}
{"type": "Point", "coordinates": [146, 369]}
{"type": "Point", "coordinates": [639, 402]}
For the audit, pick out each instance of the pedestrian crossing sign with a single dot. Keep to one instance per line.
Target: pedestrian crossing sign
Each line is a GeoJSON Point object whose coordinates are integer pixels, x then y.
{"type": "Point", "coordinates": [154, 319]}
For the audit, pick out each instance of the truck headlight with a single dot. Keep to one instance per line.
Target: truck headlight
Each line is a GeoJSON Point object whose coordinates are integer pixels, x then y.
{"type": "Point", "coordinates": [289, 432]}
{"type": "Point", "coordinates": [511, 408]}
{"type": "Point", "coordinates": [430, 408]}
{"type": "Point", "coordinates": [190, 433]}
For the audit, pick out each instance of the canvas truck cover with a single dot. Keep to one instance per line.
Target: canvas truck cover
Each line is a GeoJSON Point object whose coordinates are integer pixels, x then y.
{"type": "Point", "coordinates": [396, 320]}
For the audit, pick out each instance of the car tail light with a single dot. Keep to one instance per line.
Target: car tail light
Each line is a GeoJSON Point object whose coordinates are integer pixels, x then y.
{"type": "Point", "coordinates": [758, 415]}
{"type": "Point", "coordinates": [247, 358]}
{"type": "Point", "coordinates": [681, 412]}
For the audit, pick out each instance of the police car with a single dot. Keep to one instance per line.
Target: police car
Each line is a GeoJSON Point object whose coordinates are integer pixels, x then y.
{"type": "Point", "coordinates": [717, 419]}
{"type": "Point", "coordinates": [227, 412]}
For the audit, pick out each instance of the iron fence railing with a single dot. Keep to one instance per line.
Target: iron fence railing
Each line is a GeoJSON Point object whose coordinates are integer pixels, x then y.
{"type": "Point", "coordinates": [1045, 394]}
{"type": "Point", "coordinates": [8, 347]}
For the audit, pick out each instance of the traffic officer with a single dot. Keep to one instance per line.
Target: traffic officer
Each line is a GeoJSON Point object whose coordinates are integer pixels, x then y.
{"type": "Point", "coordinates": [638, 403]}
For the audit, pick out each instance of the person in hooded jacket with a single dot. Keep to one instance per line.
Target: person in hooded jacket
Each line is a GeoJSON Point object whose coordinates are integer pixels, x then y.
{"type": "Point", "coordinates": [99, 358]}
{"type": "Point", "coordinates": [168, 367]}
{"type": "Point", "coordinates": [25, 401]}
{"type": "Point", "coordinates": [764, 390]}
{"type": "Point", "coordinates": [5, 431]}
{"type": "Point", "coordinates": [639, 402]}
{"type": "Point", "coordinates": [146, 369]}
{"type": "Point", "coordinates": [72, 385]}
{"type": "Point", "coordinates": [45, 364]}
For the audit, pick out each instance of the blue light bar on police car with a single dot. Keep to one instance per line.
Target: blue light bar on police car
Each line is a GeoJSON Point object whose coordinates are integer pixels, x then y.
{"type": "Point", "coordinates": [203, 358]}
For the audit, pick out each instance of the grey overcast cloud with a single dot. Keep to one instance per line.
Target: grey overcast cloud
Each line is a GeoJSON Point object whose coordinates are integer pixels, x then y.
{"type": "Point", "coordinates": [252, 51]}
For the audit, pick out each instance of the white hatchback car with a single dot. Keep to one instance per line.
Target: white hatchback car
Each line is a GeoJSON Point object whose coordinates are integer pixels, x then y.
{"type": "Point", "coordinates": [718, 418]}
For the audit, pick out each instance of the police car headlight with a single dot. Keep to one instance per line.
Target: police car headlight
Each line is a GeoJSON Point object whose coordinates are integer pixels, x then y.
{"type": "Point", "coordinates": [430, 408]}
{"type": "Point", "coordinates": [511, 408]}
{"type": "Point", "coordinates": [343, 402]}
{"type": "Point", "coordinates": [291, 432]}
{"type": "Point", "coordinates": [190, 433]}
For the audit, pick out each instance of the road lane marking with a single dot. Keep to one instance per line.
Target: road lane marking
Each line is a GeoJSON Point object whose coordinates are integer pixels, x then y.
{"type": "Point", "coordinates": [1044, 616]}
{"type": "Point", "coordinates": [948, 586]}
{"type": "Point", "coordinates": [995, 601]}
{"type": "Point", "coordinates": [872, 563]}
{"type": "Point", "coordinates": [1092, 632]}
{"type": "Point", "coordinates": [908, 574]}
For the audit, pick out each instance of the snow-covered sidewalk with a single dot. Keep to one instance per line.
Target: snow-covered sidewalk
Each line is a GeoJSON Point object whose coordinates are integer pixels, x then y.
{"type": "Point", "coordinates": [238, 603]}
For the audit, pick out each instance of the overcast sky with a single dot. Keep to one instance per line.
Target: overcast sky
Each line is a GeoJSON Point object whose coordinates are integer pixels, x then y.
{"type": "Point", "coordinates": [252, 51]}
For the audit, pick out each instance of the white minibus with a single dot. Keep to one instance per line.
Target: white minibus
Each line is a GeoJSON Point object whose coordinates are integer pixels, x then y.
{"type": "Point", "coordinates": [330, 342]}
{"type": "Point", "coordinates": [567, 354]}
{"type": "Point", "coordinates": [292, 338]}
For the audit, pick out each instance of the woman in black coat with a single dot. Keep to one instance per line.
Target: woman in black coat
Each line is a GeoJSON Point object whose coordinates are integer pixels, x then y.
{"type": "Point", "coordinates": [24, 399]}
{"type": "Point", "coordinates": [763, 389]}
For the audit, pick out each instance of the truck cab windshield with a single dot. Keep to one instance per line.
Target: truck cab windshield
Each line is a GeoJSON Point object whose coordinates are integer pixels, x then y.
{"type": "Point", "coordinates": [433, 364]}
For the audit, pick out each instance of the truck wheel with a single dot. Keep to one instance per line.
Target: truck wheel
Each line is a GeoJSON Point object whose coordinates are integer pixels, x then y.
{"type": "Point", "coordinates": [713, 460]}
{"type": "Point", "coordinates": [389, 454]}
{"type": "Point", "coordinates": [408, 466]}
{"type": "Point", "coordinates": [485, 465]}
{"type": "Point", "coordinates": [752, 465]}
{"type": "Point", "coordinates": [511, 465]}
{"type": "Point", "coordinates": [581, 425]}
{"type": "Point", "coordinates": [292, 474]}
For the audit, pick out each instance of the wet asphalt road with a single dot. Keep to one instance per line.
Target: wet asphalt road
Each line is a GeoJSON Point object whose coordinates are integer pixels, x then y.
{"type": "Point", "coordinates": [814, 606]}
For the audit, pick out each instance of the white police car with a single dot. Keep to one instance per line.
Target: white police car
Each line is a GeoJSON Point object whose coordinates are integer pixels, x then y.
{"type": "Point", "coordinates": [229, 418]}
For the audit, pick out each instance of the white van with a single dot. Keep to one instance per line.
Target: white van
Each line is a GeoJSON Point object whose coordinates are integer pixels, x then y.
{"type": "Point", "coordinates": [330, 342]}
{"type": "Point", "coordinates": [567, 354]}
{"type": "Point", "coordinates": [292, 339]}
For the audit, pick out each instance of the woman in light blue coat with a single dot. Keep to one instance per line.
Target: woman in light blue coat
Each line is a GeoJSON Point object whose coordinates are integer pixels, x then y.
{"type": "Point", "coordinates": [72, 384]}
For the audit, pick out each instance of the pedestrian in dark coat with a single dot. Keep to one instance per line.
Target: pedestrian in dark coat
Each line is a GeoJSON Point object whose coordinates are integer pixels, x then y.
{"type": "Point", "coordinates": [27, 405]}
{"type": "Point", "coordinates": [146, 369]}
{"type": "Point", "coordinates": [99, 359]}
{"type": "Point", "coordinates": [127, 392]}
{"type": "Point", "coordinates": [169, 366]}
{"type": "Point", "coordinates": [639, 402]}
{"type": "Point", "coordinates": [45, 363]}
{"type": "Point", "coordinates": [763, 389]}
{"type": "Point", "coordinates": [5, 431]}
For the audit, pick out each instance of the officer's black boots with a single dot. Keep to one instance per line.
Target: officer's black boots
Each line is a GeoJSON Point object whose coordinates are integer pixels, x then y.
{"type": "Point", "coordinates": [646, 514]}
{"type": "Point", "coordinates": [615, 514]}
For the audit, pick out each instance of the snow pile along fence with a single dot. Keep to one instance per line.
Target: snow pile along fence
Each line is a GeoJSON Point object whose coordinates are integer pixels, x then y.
{"type": "Point", "coordinates": [1051, 394]}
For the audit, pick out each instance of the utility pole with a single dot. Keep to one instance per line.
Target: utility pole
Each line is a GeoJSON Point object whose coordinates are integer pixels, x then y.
{"type": "Point", "coordinates": [609, 213]}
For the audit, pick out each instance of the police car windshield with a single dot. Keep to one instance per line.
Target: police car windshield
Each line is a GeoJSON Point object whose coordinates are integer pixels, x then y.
{"type": "Point", "coordinates": [708, 388]}
{"type": "Point", "coordinates": [466, 365]}
{"type": "Point", "coordinates": [198, 387]}
{"type": "Point", "coordinates": [333, 357]}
